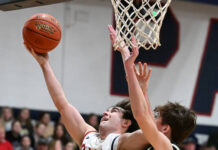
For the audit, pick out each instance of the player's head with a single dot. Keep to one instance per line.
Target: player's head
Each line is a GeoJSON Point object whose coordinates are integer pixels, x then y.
{"type": "Point", "coordinates": [119, 118]}
{"type": "Point", "coordinates": [127, 114]}
{"type": "Point", "coordinates": [175, 121]}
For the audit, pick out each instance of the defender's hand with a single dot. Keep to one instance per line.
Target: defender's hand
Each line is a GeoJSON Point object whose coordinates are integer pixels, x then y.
{"type": "Point", "coordinates": [143, 75]}
{"type": "Point", "coordinates": [129, 62]}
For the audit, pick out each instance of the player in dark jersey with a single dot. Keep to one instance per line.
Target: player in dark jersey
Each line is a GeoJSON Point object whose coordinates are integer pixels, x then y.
{"type": "Point", "coordinates": [170, 123]}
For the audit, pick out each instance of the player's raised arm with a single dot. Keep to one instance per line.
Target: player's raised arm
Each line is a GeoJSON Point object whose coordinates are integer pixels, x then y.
{"type": "Point", "coordinates": [73, 121]}
{"type": "Point", "coordinates": [141, 109]}
{"type": "Point", "coordinates": [142, 76]}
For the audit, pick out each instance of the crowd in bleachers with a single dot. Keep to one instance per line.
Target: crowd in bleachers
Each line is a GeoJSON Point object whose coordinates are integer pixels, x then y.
{"type": "Point", "coordinates": [191, 143]}
{"type": "Point", "coordinates": [18, 131]}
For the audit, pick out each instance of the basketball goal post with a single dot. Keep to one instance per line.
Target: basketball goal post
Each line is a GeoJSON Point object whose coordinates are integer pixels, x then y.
{"type": "Point", "coordinates": [141, 19]}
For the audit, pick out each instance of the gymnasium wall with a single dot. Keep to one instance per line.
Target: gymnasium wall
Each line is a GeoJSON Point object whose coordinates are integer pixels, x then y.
{"type": "Point", "coordinates": [83, 59]}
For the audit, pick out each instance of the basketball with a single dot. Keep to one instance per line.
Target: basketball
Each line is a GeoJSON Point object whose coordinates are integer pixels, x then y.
{"type": "Point", "coordinates": [42, 32]}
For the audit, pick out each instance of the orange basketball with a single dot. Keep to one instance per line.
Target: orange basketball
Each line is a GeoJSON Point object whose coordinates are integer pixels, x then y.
{"type": "Point", "coordinates": [42, 32]}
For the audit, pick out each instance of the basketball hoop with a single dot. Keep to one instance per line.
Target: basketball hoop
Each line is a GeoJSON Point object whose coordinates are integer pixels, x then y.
{"type": "Point", "coordinates": [141, 19]}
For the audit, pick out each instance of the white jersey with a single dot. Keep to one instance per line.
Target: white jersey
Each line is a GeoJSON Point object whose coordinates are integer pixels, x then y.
{"type": "Point", "coordinates": [92, 141]}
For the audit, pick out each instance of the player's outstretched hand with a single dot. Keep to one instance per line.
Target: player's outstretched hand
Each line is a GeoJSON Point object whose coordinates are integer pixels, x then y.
{"type": "Point", "coordinates": [116, 40]}
{"type": "Point", "coordinates": [41, 58]}
{"type": "Point", "coordinates": [143, 75]}
{"type": "Point", "coordinates": [134, 54]}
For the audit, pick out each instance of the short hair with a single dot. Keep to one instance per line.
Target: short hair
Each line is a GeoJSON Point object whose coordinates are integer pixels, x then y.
{"type": "Point", "coordinates": [127, 114]}
{"type": "Point", "coordinates": [181, 120]}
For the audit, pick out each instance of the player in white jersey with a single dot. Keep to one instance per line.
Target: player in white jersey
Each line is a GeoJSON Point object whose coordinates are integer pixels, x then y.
{"type": "Point", "coordinates": [92, 141]}
{"type": "Point", "coordinates": [170, 123]}
{"type": "Point", "coordinates": [115, 121]}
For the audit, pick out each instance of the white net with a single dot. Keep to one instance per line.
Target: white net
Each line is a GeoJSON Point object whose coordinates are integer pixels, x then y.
{"type": "Point", "coordinates": [141, 19]}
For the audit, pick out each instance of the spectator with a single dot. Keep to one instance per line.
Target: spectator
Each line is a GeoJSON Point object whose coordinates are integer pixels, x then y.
{"type": "Point", "coordinates": [4, 144]}
{"type": "Point", "coordinates": [190, 143]}
{"type": "Point", "coordinates": [92, 119]}
{"type": "Point", "coordinates": [70, 145]}
{"type": "Point", "coordinates": [46, 120]}
{"type": "Point", "coordinates": [26, 124]}
{"type": "Point", "coordinates": [14, 136]}
{"type": "Point", "coordinates": [60, 133]}
{"type": "Point", "coordinates": [213, 141]}
{"type": "Point", "coordinates": [24, 118]}
{"type": "Point", "coordinates": [25, 143]}
{"type": "Point", "coordinates": [39, 132]}
{"type": "Point", "coordinates": [56, 145]}
{"type": "Point", "coordinates": [6, 118]}
{"type": "Point", "coordinates": [60, 121]}
{"type": "Point", "coordinates": [42, 144]}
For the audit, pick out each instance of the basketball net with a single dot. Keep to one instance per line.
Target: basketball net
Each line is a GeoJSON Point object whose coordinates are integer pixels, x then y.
{"type": "Point", "coordinates": [141, 19]}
